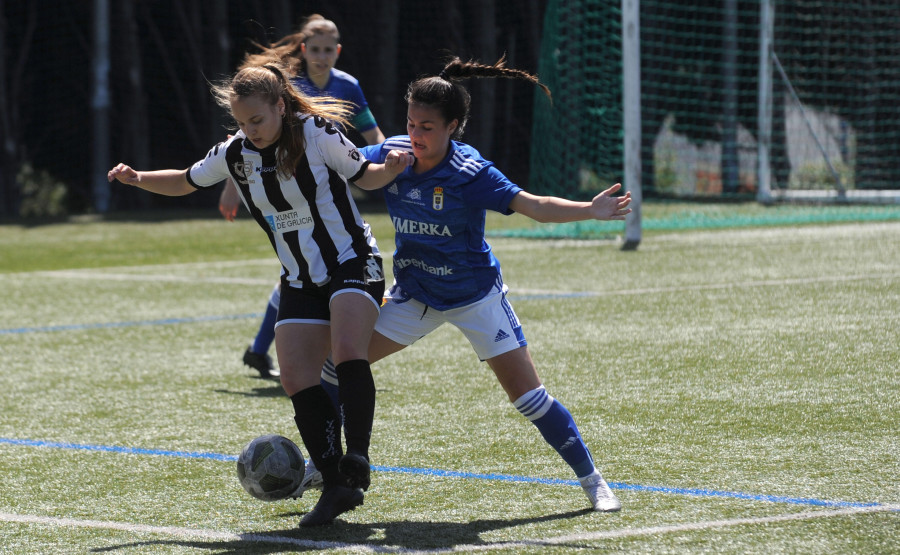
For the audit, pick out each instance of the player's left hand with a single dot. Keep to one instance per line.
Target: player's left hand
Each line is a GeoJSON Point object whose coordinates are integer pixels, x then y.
{"type": "Point", "coordinates": [607, 207]}
{"type": "Point", "coordinates": [229, 201]}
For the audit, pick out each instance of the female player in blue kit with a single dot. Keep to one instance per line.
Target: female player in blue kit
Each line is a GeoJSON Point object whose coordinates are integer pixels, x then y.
{"type": "Point", "coordinates": [445, 272]}
{"type": "Point", "coordinates": [292, 167]}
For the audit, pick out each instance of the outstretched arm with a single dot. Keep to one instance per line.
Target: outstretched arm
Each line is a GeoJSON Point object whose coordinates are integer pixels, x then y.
{"type": "Point", "coordinates": [559, 210]}
{"type": "Point", "coordinates": [171, 183]}
{"type": "Point", "coordinates": [379, 175]}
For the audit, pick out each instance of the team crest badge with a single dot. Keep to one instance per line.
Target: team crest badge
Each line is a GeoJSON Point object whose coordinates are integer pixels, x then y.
{"type": "Point", "coordinates": [437, 199]}
{"type": "Point", "coordinates": [240, 172]}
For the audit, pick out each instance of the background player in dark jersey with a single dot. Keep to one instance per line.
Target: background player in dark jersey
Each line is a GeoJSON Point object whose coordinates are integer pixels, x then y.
{"type": "Point", "coordinates": [310, 55]}
{"type": "Point", "coordinates": [445, 271]}
{"type": "Point", "coordinates": [292, 168]}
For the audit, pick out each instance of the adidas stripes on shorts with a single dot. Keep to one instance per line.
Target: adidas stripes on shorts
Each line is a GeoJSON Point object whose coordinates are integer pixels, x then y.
{"type": "Point", "coordinates": [490, 324]}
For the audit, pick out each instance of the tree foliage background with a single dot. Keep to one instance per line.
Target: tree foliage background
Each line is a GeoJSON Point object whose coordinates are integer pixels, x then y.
{"type": "Point", "coordinates": [164, 53]}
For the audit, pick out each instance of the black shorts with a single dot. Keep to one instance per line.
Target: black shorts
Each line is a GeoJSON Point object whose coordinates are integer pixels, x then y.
{"type": "Point", "coordinates": [310, 304]}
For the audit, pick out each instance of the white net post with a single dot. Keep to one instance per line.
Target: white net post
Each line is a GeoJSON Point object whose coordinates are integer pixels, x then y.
{"type": "Point", "coordinates": [764, 109]}
{"type": "Point", "coordinates": [631, 99]}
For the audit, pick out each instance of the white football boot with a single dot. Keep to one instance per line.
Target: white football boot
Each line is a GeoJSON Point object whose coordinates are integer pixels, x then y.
{"type": "Point", "coordinates": [312, 479]}
{"type": "Point", "coordinates": [597, 490]}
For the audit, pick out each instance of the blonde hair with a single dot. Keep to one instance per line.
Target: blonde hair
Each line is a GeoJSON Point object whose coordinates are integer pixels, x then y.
{"type": "Point", "coordinates": [288, 48]}
{"type": "Point", "coordinates": [270, 82]}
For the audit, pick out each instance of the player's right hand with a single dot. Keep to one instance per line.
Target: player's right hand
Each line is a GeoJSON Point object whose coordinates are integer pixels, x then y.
{"type": "Point", "coordinates": [124, 174]}
{"type": "Point", "coordinates": [397, 160]}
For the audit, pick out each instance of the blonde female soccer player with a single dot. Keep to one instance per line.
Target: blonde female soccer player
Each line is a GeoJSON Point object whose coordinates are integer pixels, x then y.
{"type": "Point", "coordinates": [310, 54]}
{"type": "Point", "coordinates": [292, 167]}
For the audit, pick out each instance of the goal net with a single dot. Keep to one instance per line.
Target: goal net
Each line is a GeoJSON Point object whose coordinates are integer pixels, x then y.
{"type": "Point", "coordinates": [765, 99]}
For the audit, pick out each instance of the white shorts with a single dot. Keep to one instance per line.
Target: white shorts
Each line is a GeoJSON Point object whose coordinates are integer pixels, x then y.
{"type": "Point", "coordinates": [490, 324]}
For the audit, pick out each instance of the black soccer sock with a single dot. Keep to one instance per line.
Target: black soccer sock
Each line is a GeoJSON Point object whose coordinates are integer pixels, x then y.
{"type": "Point", "coordinates": [356, 392]}
{"type": "Point", "coordinates": [320, 430]}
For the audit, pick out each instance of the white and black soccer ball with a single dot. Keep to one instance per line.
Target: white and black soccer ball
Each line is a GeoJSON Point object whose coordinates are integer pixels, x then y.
{"type": "Point", "coordinates": [271, 467]}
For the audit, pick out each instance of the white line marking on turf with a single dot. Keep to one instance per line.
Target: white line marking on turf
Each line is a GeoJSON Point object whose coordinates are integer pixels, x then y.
{"type": "Point", "coordinates": [257, 537]}
{"type": "Point", "coordinates": [675, 528]}
{"type": "Point", "coordinates": [175, 531]}
{"type": "Point", "coordinates": [708, 525]}
{"type": "Point", "coordinates": [95, 275]}
{"type": "Point", "coordinates": [707, 286]}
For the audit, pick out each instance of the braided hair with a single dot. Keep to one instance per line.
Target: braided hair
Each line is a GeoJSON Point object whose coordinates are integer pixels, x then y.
{"type": "Point", "coordinates": [451, 98]}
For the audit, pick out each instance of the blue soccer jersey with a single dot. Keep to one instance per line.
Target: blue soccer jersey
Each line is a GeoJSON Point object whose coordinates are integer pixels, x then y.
{"type": "Point", "coordinates": [343, 86]}
{"type": "Point", "coordinates": [442, 258]}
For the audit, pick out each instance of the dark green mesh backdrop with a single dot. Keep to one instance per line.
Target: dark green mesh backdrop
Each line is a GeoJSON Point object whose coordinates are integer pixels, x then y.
{"type": "Point", "coordinates": [838, 128]}
{"type": "Point", "coordinates": [576, 148]}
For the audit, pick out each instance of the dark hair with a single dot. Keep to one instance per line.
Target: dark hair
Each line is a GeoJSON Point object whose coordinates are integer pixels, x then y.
{"type": "Point", "coordinates": [270, 82]}
{"type": "Point", "coordinates": [452, 99]}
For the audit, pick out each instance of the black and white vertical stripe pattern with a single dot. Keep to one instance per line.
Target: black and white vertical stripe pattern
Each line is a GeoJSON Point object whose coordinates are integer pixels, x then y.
{"type": "Point", "coordinates": [318, 195]}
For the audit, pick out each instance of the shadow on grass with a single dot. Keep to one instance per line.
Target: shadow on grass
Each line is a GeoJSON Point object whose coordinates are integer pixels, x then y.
{"type": "Point", "coordinates": [385, 537]}
{"type": "Point", "coordinates": [268, 388]}
{"type": "Point", "coordinates": [275, 390]}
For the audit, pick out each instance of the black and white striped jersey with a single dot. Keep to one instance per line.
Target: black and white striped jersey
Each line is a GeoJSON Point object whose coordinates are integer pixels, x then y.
{"type": "Point", "coordinates": [310, 217]}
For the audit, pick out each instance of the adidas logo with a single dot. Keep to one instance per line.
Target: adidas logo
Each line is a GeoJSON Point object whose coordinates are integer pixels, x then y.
{"type": "Point", "coordinates": [501, 335]}
{"type": "Point", "coordinates": [571, 441]}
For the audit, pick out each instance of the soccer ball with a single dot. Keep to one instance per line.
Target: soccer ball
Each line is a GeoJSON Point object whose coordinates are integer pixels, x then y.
{"type": "Point", "coordinates": [271, 467]}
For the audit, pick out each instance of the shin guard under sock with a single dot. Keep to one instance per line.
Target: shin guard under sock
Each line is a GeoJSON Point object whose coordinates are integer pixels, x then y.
{"type": "Point", "coordinates": [320, 430]}
{"type": "Point", "coordinates": [356, 393]}
{"type": "Point", "coordinates": [555, 423]}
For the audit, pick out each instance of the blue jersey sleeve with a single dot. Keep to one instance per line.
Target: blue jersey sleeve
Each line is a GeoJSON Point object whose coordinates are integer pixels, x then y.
{"type": "Point", "coordinates": [491, 191]}
{"type": "Point", "coordinates": [374, 153]}
{"type": "Point", "coordinates": [343, 86]}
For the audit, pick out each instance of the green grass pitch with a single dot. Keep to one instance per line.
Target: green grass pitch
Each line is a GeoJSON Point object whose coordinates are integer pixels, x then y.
{"type": "Point", "coordinates": [739, 388]}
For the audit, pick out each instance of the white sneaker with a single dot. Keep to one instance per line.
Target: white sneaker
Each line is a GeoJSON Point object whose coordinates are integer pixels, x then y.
{"type": "Point", "coordinates": [597, 490]}
{"type": "Point", "coordinates": [312, 479]}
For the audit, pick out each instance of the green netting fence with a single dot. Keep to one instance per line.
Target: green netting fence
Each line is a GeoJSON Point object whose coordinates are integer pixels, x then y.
{"type": "Point", "coordinates": [576, 146]}
{"type": "Point", "coordinates": [680, 216]}
{"type": "Point", "coordinates": [834, 69]}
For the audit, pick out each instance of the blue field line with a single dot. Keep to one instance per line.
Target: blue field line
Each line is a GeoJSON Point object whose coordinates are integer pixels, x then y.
{"type": "Point", "coordinates": [101, 325]}
{"type": "Point", "coordinates": [454, 474]}
{"type": "Point", "coordinates": [117, 449]}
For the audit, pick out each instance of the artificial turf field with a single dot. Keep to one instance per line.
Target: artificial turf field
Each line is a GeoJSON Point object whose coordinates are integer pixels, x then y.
{"type": "Point", "coordinates": [739, 387]}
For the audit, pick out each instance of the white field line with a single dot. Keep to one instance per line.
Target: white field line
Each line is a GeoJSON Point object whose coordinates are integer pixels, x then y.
{"type": "Point", "coordinates": [95, 274]}
{"type": "Point", "coordinates": [194, 533]}
{"type": "Point", "coordinates": [708, 525]}
{"type": "Point", "coordinates": [173, 531]}
{"type": "Point", "coordinates": [710, 286]}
